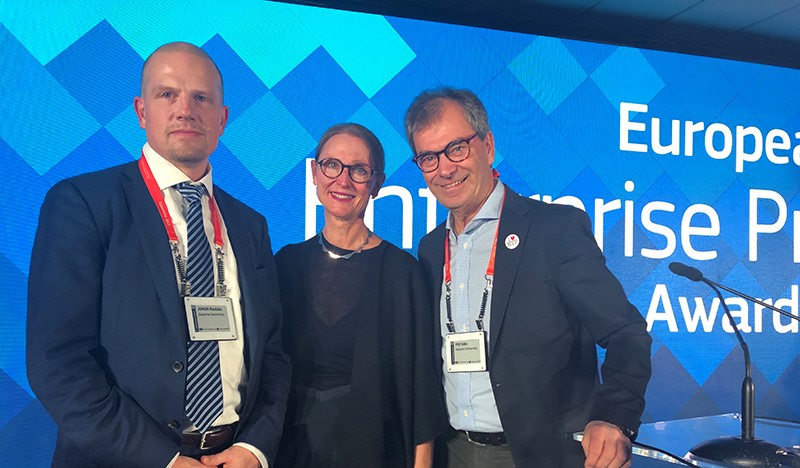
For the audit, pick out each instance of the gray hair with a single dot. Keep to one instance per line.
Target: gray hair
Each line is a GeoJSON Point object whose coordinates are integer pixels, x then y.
{"type": "Point", "coordinates": [427, 108]}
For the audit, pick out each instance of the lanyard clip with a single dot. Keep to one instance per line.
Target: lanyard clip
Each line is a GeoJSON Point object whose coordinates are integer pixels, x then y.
{"type": "Point", "coordinates": [222, 290]}
{"type": "Point", "coordinates": [185, 286]}
{"type": "Point", "coordinates": [176, 253]}
{"type": "Point", "coordinates": [450, 325]}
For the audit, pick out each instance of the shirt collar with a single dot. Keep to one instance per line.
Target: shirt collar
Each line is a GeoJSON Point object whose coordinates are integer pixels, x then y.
{"type": "Point", "coordinates": [489, 211]}
{"type": "Point", "coordinates": [167, 175]}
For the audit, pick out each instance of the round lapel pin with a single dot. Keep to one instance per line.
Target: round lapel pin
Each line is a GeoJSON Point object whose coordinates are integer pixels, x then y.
{"type": "Point", "coordinates": [512, 241]}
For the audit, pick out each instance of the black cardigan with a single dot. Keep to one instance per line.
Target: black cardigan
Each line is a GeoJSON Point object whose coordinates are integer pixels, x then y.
{"type": "Point", "coordinates": [396, 399]}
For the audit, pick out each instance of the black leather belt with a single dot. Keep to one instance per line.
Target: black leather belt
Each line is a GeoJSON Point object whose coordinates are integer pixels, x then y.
{"type": "Point", "coordinates": [211, 439]}
{"type": "Point", "coordinates": [486, 438]}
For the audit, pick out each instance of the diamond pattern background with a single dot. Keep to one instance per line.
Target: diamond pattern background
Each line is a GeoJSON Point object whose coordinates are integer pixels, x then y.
{"type": "Point", "coordinates": [69, 76]}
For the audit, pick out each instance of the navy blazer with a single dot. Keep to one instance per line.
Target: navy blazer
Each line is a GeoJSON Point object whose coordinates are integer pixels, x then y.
{"type": "Point", "coordinates": [106, 331]}
{"type": "Point", "coordinates": [553, 299]}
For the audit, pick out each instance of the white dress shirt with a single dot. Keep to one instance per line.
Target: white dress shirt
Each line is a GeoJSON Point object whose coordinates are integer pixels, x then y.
{"type": "Point", "coordinates": [231, 352]}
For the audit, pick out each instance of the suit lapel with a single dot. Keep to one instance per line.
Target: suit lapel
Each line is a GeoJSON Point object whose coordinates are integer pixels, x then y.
{"type": "Point", "coordinates": [244, 253]}
{"type": "Point", "coordinates": [155, 247]}
{"type": "Point", "coordinates": [507, 260]}
{"type": "Point", "coordinates": [435, 256]}
{"type": "Point", "coordinates": [235, 228]}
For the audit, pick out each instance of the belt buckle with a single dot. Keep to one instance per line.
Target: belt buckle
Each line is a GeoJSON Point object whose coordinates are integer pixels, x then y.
{"type": "Point", "coordinates": [469, 438]}
{"type": "Point", "coordinates": [203, 441]}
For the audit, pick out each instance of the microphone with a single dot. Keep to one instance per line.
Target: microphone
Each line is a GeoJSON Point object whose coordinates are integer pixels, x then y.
{"type": "Point", "coordinates": [686, 271]}
{"type": "Point", "coordinates": [745, 450]}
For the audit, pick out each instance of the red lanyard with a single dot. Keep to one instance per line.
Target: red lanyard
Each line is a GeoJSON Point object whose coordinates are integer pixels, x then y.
{"type": "Point", "coordinates": [161, 205]}
{"type": "Point", "coordinates": [489, 277]}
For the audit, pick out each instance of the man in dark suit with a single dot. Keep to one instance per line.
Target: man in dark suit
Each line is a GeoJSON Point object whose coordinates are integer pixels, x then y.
{"type": "Point", "coordinates": [523, 298]}
{"type": "Point", "coordinates": [120, 260]}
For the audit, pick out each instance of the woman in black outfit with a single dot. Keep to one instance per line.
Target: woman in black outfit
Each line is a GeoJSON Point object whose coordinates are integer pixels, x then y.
{"type": "Point", "coordinates": [358, 327]}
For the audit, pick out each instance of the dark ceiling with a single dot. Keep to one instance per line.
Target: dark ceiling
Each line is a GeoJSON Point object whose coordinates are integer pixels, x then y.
{"type": "Point", "coordinates": [765, 31]}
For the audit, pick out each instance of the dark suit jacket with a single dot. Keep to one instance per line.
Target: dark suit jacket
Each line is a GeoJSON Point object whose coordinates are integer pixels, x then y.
{"type": "Point", "coordinates": [106, 331]}
{"type": "Point", "coordinates": [553, 299]}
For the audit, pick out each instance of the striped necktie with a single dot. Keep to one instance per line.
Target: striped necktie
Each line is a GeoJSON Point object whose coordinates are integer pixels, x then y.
{"type": "Point", "coordinates": [203, 379]}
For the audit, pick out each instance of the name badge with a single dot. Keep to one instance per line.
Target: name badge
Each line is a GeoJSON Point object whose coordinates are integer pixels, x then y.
{"type": "Point", "coordinates": [210, 318]}
{"type": "Point", "coordinates": [465, 352]}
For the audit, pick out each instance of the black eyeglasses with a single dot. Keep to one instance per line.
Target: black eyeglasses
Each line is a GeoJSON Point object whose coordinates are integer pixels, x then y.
{"type": "Point", "coordinates": [332, 168]}
{"type": "Point", "coordinates": [456, 151]}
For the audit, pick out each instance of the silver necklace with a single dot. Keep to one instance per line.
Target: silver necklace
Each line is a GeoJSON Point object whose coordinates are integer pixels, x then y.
{"type": "Point", "coordinates": [322, 241]}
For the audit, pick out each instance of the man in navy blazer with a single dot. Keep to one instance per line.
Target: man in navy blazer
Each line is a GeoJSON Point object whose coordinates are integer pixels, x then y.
{"type": "Point", "coordinates": [107, 330]}
{"type": "Point", "coordinates": [528, 280]}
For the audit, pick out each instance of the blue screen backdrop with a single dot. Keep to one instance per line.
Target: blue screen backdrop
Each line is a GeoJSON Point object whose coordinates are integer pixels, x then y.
{"type": "Point", "coordinates": [674, 157]}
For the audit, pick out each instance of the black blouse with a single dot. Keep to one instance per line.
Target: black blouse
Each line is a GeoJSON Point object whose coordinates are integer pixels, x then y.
{"type": "Point", "coordinates": [322, 329]}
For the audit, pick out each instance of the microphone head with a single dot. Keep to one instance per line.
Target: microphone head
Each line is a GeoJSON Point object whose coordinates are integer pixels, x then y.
{"type": "Point", "coordinates": [686, 271]}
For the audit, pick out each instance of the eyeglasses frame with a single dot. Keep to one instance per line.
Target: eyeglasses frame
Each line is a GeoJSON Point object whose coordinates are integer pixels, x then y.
{"type": "Point", "coordinates": [372, 172]}
{"type": "Point", "coordinates": [439, 154]}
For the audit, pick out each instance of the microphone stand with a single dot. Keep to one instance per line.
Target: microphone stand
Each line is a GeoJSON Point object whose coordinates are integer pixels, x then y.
{"type": "Point", "coordinates": [715, 285]}
{"type": "Point", "coordinates": [745, 450]}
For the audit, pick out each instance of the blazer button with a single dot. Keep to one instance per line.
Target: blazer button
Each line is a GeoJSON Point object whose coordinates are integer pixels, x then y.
{"type": "Point", "coordinates": [173, 424]}
{"type": "Point", "coordinates": [177, 367]}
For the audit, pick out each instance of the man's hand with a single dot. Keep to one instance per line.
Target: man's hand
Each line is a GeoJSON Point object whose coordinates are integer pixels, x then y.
{"type": "Point", "coordinates": [605, 446]}
{"type": "Point", "coordinates": [186, 462]}
{"type": "Point", "coordinates": [234, 457]}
